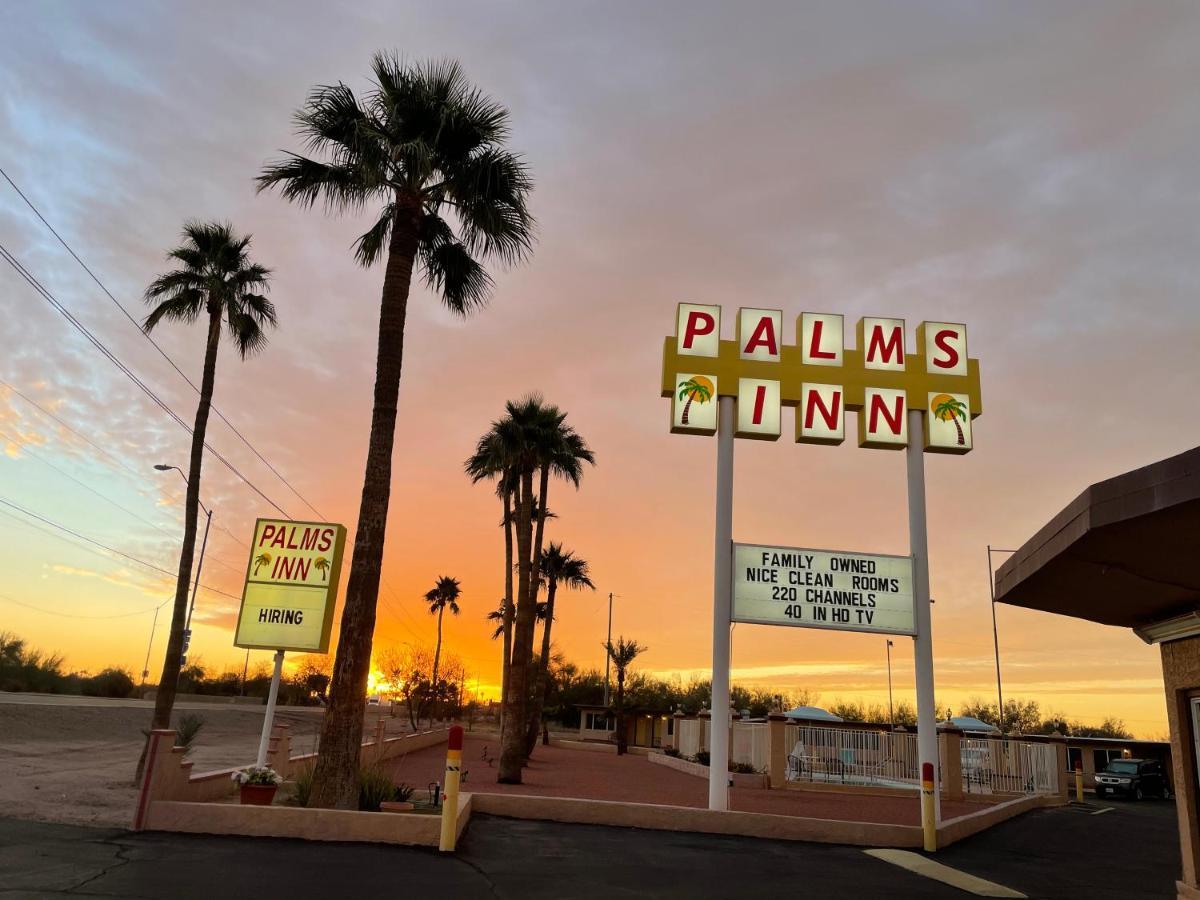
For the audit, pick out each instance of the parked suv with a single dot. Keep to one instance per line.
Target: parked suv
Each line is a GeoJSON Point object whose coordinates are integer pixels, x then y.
{"type": "Point", "coordinates": [1136, 778]}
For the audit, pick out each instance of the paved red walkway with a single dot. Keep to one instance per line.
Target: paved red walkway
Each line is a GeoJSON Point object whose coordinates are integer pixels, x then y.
{"type": "Point", "coordinates": [564, 772]}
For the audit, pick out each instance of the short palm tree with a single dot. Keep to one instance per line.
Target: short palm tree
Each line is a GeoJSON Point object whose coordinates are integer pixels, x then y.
{"type": "Point", "coordinates": [497, 616]}
{"type": "Point", "coordinates": [622, 654]}
{"type": "Point", "coordinates": [321, 564]}
{"type": "Point", "coordinates": [214, 277]}
{"type": "Point", "coordinates": [947, 408]}
{"type": "Point", "coordinates": [559, 567]}
{"type": "Point", "coordinates": [424, 150]}
{"type": "Point", "coordinates": [698, 389]}
{"type": "Point", "coordinates": [441, 597]}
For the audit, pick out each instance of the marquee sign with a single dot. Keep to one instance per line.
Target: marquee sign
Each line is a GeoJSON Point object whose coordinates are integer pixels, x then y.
{"type": "Point", "coordinates": [823, 589]}
{"type": "Point", "coordinates": [291, 586]}
{"type": "Point", "coordinates": [822, 378]}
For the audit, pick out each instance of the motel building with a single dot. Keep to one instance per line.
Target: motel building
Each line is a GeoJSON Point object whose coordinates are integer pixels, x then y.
{"type": "Point", "coordinates": [1124, 553]}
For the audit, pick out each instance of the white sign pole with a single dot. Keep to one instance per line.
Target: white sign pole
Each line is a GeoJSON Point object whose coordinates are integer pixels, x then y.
{"type": "Point", "coordinates": [269, 720]}
{"type": "Point", "coordinates": [918, 543]}
{"type": "Point", "coordinates": [718, 759]}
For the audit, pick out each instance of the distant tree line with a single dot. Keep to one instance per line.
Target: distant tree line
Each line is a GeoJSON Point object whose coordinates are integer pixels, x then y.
{"type": "Point", "coordinates": [28, 670]}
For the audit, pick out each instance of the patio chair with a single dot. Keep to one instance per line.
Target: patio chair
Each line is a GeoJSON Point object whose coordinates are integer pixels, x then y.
{"type": "Point", "coordinates": [797, 763]}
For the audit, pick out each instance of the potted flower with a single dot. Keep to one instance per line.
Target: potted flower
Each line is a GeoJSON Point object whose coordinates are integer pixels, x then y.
{"type": "Point", "coordinates": [258, 783]}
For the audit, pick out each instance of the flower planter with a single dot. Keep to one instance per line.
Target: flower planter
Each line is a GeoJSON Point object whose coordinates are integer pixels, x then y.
{"type": "Point", "coordinates": [258, 794]}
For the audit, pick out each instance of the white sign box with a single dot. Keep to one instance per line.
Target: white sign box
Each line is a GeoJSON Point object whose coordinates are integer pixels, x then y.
{"type": "Point", "coordinates": [823, 589]}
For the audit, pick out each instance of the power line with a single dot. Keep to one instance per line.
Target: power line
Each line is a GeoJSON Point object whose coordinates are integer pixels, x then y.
{"type": "Point", "coordinates": [118, 461]}
{"type": "Point", "coordinates": [113, 550]}
{"type": "Point", "coordinates": [109, 500]}
{"type": "Point", "coordinates": [112, 357]}
{"type": "Point", "coordinates": [54, 612]}
{"type": "Point", "coordinates": [154, 343]}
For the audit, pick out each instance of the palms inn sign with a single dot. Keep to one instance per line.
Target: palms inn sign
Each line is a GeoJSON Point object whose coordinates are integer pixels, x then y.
{"type": "Point", "coordinates": [920, 401]}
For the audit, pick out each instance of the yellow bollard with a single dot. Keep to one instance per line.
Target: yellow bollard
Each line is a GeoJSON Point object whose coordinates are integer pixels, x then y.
{"type": "Point", "coordinates": [1079, 783]}
{"type": "Point", "coordinates": [928, 814]}
{"type": "Point", "coordinates": [450, 791]}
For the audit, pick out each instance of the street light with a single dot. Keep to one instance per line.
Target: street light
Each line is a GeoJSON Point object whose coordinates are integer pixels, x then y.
{"type": "Point", "coordinates": [187, 628]}
{"type": "Point", "coordinates": [607, 655]}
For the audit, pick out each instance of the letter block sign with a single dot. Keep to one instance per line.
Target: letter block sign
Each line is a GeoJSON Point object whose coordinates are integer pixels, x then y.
{"type": "Point", "coordinates": [291, 586]}
{"type": "Point", "coordinates": [879, 379]}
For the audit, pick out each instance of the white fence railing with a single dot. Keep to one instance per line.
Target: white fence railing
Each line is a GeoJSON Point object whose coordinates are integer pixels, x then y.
{"type": "Point", "coordinates": [690, 734]}
{"type": "Point", "coordinates": [849, 756]}
{"type": "Point", "coordinates": [992, 766]}
{"type": "Point", "coordinates": [751, 743]}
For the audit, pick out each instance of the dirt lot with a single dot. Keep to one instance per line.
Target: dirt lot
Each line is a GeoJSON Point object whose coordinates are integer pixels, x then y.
{"type": "Point", "coordinates": [75, 763]}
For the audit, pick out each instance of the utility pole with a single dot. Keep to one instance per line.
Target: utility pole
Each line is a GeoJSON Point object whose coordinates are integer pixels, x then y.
{"type": "Point", "coordinates": [149, 647]}
{"type": "Point", "coordinates": [891, 709]}
{"type": "Point", "coordinates": [996, 636]}
{"type": "Point", "coordinates": [607, 656]}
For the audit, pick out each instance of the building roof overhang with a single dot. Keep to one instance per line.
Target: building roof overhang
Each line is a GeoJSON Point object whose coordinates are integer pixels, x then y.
{"type": "Point", "coordinates": [1122, 553]}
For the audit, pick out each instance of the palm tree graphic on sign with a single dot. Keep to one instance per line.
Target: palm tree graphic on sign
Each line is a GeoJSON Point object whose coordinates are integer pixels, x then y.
{"type": "Point", "coordinates": [263, 559]}
{"type": "Point", "coordinates": [697, 388]}
{"type": "Point", "coordinates": [321, 564]}
{"type": "Point", "coordinates": [948, 409]}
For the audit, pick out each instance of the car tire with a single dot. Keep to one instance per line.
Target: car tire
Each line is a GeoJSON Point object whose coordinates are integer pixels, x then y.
{"type": "Point", "coordinates": [1138, 793]}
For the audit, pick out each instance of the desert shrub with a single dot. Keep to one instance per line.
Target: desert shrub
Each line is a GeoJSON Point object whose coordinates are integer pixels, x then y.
{"type": "Point", "coordinates": [702, 757]}
{"type": "Point", "coordinates": [742, 768]}
{"type": "Point", "coordinates": [672, 751]}
{"type": "Point", "coordinates": [302, 786]}
{"type": "Point", "coordinates": [374, 787]}
{"type": "Point", "coordinates": [110, 682]}
{"type": "Point", "coordinates": [186, 729]}
{"type": "Point", "coordinates": [403, 793]}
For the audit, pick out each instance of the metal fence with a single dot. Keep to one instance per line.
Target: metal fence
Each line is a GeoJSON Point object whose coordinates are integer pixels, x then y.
{"type": "Point", "coordinates": [993, 766]}
{"type": "Point", "coordinates": [849, 756]}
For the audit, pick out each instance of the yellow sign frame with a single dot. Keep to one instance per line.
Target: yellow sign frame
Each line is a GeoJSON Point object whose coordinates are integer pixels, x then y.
{"type": "Point", "coordinates": [728, 367]}
{"type": "Point", "coordinates": [330, 589]}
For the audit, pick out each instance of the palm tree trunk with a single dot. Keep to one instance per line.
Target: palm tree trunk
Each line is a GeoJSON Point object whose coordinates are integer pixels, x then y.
{"type": "Point", "coordinates": [512, 736]}
{"type": "Point", "coordinates": [437, 656]}
{"type": "Point", "coordinates": [683, 420]}
{"type": "Point", "coordinates": [335, 779]}
{"type": "Point", "coordinates": [542, 689]}
{"type": "Point", "coordinates": [621, 742]}
{"type": "Point", "coordinates": [168, 682]}
{"type": "Point", "coordinates": [507, 620]}
{"type": "Point", "coordinates": [962, 440]}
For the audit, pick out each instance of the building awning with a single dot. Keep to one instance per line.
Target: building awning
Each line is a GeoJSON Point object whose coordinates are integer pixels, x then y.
{"type": "Point", "coordinates": [1122, 553]}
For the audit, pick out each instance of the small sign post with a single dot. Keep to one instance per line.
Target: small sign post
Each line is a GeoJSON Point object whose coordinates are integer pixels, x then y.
{"type": "Point", "coordinates": [289, 596]}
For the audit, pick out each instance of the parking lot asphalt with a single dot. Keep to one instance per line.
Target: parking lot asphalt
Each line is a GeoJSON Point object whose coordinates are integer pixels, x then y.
{"type": "Point", "coordinates": [1129, 852]}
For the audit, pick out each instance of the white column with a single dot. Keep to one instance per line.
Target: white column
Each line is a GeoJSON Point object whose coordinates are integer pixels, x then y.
{"type": "Point", "coordinates": [918, 544]}
{"type": "Point", "coordinates": [269, 720]}
{"type": "Point", "coordinates": [718, 763]}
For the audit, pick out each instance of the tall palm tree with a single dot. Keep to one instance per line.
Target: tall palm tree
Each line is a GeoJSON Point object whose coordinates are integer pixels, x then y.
{"type": "Point", "coordinates": [622, 654]}
{"type": "Point", "coordinates": [441, 597]}
{"type": "Point", "coordinates": [542, 444]}
{"type": "Point", "coordinates": [215, 277]}
{"type": "Point", "coordinates": [558, 567]}
{"type": "Point", "coordinates": [423, 144]}
{"type": "Point", "coordinates": [494, 457]}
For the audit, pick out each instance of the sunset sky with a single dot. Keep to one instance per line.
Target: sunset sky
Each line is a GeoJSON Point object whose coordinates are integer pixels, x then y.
{"type": "Point", "coordinates": [1029, 170]}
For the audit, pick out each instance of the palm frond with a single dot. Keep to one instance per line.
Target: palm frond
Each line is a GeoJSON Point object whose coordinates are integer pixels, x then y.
{"type": "Point", "coordinates": [369, 247]}
{"type": "Point", "coordinates": [462, 282]}
{"type": "Point", "coordinates": [304, 181]}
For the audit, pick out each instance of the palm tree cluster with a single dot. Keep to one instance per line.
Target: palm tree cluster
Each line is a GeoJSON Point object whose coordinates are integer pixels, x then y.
{"type": "Point", "coordinates": [530, 443]}
{"type": "Point", "coordinates": [423, 151]}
